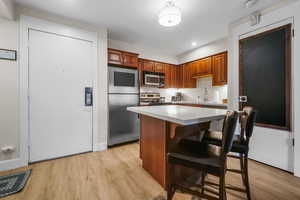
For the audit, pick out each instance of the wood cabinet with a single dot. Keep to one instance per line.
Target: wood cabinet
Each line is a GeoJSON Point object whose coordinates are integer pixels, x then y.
{"type": "Point", "coordinates": [179, 76]}
{"type": "Point", "coordinates": [203, 67]}
{"type": "Point", "coordinates": [171, 76]}
{"type": "Point", "coordinates": [122, 58]}
{"type": "Point", "coordinates": [130, 59]}
{"type": "Point", "coordinates": [114, 57]}
{"type": "Point", "coordinates": [159, 67]}
{"type": "Point", "coordinates": [187, 78]}
{"type": "Point", "coordinates": [219, 69]}
{"type": "Point", "coordinates": [215, 66]}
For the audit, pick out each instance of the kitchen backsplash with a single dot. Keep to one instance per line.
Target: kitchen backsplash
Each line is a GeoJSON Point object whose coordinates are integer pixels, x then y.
{"type": "Point", "coordinates": [215, 94]}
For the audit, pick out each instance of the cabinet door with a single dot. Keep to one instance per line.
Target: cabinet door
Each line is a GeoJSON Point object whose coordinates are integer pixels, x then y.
{"type": "Point", "coordinates": [179, 76]}
{"type": "Point", "coordinates": [148, 66]}
{"type": "Point", "coordinates": [130, 60]}
{"type": "Point", "coordinates": [203, 67]}
{"type": "Point", "coordinates": [206, 66]}
{"type": "Point", "coordinates": [197, 67]}
{"type": "Point", "coordinates": [115, 57]}
{"type": "Point", "coordinates": [173, 71]}
{"type": "Point", "coordinates": [168, 76]}
{"type": "Point", "coordinates": [159, 67]}
{"type": "Point", "coordinates": [188, 81]}
{"type": "Point", "coordinates": [220, 69]}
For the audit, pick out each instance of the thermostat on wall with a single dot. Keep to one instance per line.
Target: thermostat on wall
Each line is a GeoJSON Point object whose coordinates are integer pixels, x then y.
{"type": "Point", "coordinates": [6, 54]}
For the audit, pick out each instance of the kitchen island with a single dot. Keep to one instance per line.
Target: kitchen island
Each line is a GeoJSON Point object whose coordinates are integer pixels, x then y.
{"type": "Point", "coordinates": [162, 125]}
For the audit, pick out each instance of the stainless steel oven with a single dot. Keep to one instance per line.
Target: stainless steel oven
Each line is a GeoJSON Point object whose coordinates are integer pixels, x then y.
{"type": "Point", "coordinates": [123, 80]}
{"type": "Point", "coordinates": [124, 126]}
{"type": "Point", "coordinates": [154, 79]}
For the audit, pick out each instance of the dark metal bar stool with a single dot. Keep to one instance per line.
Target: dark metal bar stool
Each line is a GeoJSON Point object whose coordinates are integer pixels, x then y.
{"type": "Point", "coordinates": [203, 159]}
{"type": "Point", "coordinates": [240, 146]}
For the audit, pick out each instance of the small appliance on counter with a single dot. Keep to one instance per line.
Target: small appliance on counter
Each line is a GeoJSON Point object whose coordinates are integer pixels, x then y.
{"type": "Point", "coordinates": [177, 98]}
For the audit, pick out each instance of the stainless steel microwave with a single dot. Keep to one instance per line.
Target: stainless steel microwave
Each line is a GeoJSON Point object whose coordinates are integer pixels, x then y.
{"type": "Point", "coordinates": [154, 79]}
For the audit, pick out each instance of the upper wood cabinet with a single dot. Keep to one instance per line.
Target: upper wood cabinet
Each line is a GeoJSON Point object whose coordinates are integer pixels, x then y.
{"type": "Point", "coordinates": [187, 78]}
{"type": "Point", "coordinates": [219, 63]}
{"type": "Point", "coordinates": [122, 58]}
{"type": "Point", "coordinates": [159, 67]}
{"type": "Point", "coordinates": [115, 57]}
{"type": "Point", "coordinates": [179, 76]}
{"type": "Point", "coordinates": [148, 65]}
{"type": "Point", "coordinates": [201, 68]}
{"type": "Point", "coordinates": [130, 59]}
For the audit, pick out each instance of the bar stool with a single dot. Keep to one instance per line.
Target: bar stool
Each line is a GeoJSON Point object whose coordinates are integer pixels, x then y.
{"type": "Point", "coordinates": [204, 159]}
{"type": "Point", "coordinates": [240, 145]}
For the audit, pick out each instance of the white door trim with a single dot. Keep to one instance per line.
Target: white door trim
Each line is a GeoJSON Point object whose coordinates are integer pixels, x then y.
{"type": "Point", "coordinates": [27, 23]}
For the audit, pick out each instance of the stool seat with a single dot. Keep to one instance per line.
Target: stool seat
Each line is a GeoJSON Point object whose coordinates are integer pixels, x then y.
{"type": "Point", "coordinates": [215, 138]}
{"type": "Point", "coordinates": [190, 154]}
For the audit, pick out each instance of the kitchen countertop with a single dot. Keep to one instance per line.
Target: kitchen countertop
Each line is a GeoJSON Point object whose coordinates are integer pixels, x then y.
{"type": "Point", "coordinates": [183, 115]}
{"type": "Point", "coordinates": [200, 103]}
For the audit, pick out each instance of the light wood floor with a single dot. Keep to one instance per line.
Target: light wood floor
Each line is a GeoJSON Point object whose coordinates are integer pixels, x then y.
{"type": "Point", "coordinates": [117, 174]}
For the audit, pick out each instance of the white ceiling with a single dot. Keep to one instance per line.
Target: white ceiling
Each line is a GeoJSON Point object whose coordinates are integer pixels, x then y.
{"type": "Point", "coordinates": [135, 21]}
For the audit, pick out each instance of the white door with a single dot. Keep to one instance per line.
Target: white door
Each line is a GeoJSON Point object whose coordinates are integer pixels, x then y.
{"type": "Point", "coordinates": [60, 68]}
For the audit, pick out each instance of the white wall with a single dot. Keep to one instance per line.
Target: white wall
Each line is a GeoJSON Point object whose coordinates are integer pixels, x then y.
{"type": "Point", "coordinates": [212, 48]}
{"type": "Point", "coordinates": [190, 95]}
{"type": "Point", "coordinates": [270, 146]}
{"type": "Point", "coordinates": [9, 101]}
{"type": "Point", "coordinates": [144, 52]}
{"type": "Point", "coordinates": [9, 84]}
{"type": "Point", "coordinates": [7, 9]}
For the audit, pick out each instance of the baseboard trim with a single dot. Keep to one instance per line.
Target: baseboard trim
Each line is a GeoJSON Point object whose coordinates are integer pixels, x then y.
{"type": "Point", "coordinates": [100, 147]}
{"type": "Point", "coordinates": [11, 164]}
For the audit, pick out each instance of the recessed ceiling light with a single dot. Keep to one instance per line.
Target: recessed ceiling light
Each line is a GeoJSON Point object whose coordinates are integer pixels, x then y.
{"type": "Point", "coordinates": [170, 15]}
{"type": "Point", "coordinates": [194, 44]}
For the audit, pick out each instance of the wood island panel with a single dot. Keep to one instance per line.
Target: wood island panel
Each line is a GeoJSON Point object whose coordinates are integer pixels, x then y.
{"type": "Point", "coordinates": [157, 138]}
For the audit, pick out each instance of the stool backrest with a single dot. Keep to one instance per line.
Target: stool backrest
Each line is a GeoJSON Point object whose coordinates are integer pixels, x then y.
{"type": "Point", "coordinates": [248, 118]}
{"type": "Point", "coordinates": [229, 126]}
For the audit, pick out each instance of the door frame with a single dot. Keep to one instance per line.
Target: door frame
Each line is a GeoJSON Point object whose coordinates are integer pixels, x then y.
{"type": "Point", "coordinates": [30, 23]}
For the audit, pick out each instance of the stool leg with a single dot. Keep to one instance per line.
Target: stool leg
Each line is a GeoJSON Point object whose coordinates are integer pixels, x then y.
{"type": "Point", "coordinates": [247, 177]}
{"type": "Point", "coordinates": [242, 166]}
{"type": "Point", "coordinates": [222, 195]}
{"type": "Point", "coordinates": [170, 187]}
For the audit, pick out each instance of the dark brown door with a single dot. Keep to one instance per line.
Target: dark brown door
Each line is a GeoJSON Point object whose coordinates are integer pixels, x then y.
{"type": "Point", "coordinates": [265, 76]}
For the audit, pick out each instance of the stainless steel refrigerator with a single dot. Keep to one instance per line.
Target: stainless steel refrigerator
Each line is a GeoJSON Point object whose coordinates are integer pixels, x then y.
{"type": "Point", "coordinates": [123, 91]}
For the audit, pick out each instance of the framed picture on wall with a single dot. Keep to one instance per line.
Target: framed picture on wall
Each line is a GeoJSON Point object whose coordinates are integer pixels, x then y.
{"type": "Point", "coordinates": [6, 54]}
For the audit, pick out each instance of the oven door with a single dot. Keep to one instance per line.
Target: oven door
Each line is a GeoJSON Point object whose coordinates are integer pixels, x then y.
{"type": "Point", "coordinates": [123, 81]}
{"type": "Point", "coordinates": [152, 80]}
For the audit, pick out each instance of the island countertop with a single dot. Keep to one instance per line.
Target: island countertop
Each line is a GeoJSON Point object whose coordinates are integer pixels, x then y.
{"type": "Point", "coordinates": [183, 115]}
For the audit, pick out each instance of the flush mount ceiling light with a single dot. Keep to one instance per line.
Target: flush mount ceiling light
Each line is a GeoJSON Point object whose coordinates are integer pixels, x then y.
{"type": "Point", "coordinates": [170, 15]}
{"type": "Point", "coordinates": [250, 3]}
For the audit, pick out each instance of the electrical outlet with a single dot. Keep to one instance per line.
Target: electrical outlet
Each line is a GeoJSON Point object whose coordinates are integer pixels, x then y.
{"type": "Point", "coordinates": [8, 149]}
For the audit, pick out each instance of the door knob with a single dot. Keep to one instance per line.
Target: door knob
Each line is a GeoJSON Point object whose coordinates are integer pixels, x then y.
{"type": "Point", "coordinates": [243, 99]}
